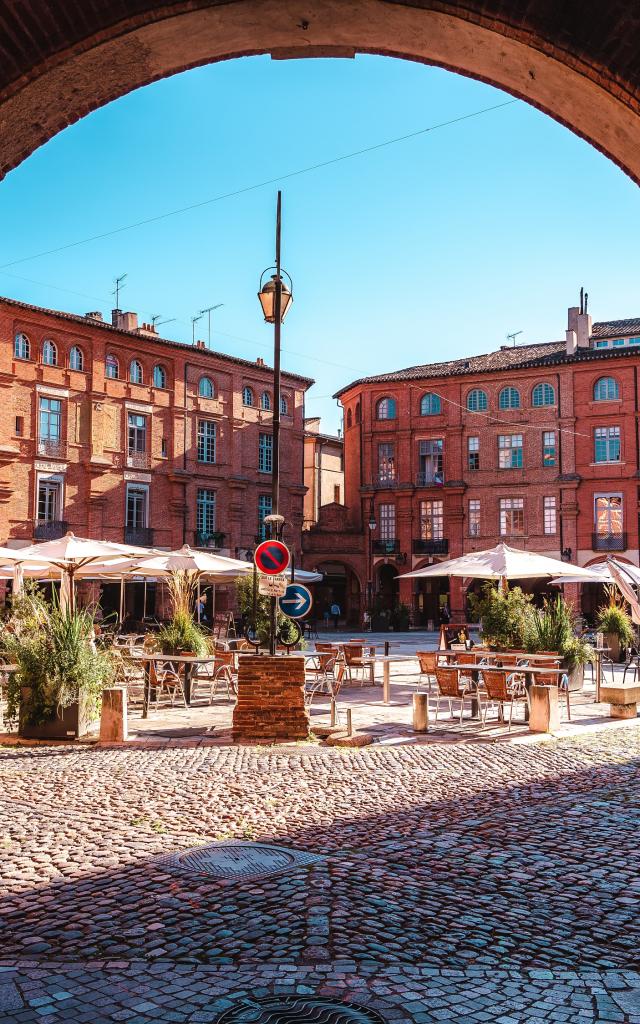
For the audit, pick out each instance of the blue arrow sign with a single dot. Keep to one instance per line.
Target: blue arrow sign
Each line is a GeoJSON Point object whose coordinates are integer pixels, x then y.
{"type": "Point", "coordinates": [296, 602]}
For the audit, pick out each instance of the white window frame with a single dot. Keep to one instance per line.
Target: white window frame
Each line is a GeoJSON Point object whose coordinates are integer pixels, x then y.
{"type": "Point", "coordinates": [550, 514]}
{"type": "Point", "coordinates": [55, 478]}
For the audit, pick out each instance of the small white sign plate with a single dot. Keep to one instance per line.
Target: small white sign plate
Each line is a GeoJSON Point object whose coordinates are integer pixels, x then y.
{"type": "Point", "coordinates": [272, 586]}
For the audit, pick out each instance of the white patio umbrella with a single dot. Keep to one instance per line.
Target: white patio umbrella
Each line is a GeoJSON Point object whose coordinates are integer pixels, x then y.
{"type": "Point", "coordinates": [499, 563]}
{"type": "Point", "coordinates": [601, 572]}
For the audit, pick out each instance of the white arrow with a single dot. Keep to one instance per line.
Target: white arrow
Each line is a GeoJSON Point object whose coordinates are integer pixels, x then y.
{"type": "Point", "coordinates": [298, 601]}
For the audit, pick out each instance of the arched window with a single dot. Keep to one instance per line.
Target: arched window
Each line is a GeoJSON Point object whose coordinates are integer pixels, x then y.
{"type": "Point", "coordinates": [509, 398]}
{"type": "Point", "coordinates": [606, 389]}
{"type": "Point", "coordinates": [543, 394]}
{"type": "Point", "coordinates": [205, 387]}
{"type": "Point", "coordinates": [247, 396]}
{"type": "Point", "coordinates": [76, 358]}
{"type": "Point", "coordinates": [430, 404]}
{"type": "Point", "coordinates": [358, 413]}
{"type": "Point", "coordinates": [111, 368]}
{"type": "Point", "coordinates": [265, 400]}
{"type": "Point", "coordinates": [386, 409]}
{"type": "Point", "coordinates": [284, 406]}
{"type": "Point", "coordinates": [22, 347]}
{"type": "Point", "coordinates": [49, 353]}
{"type": "Point", "coordinates": [159, 377]}
{"type": "Point", "coordinates": [477, 400]}
{"type": "Point", "coordinates": [135, 372]}
{"type": "Point", "coordinates": [349, 418]}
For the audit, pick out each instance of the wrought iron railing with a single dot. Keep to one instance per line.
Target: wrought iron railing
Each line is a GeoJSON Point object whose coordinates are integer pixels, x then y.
{"type": "Point", "coordinates": [140, 535]}
{"type": "Point", "coordinates": [50, 529]}
{"type": "Point", "coordinates": [386, 547]}
{"type": "Point", "coordinates": [52, 448]}
{"type": "Point", "coordinates": [609, 542]}
{"type": "Point", "coordinates": [430, 479]}
{"type": "Point", "coordinates": [431, 547]}
{"type": "Point", "coordinates": [208, 540]}
{"type": "Point", "coordinates": [138, 460]}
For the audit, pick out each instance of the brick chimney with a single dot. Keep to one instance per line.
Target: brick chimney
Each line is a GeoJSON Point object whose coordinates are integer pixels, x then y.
{"type": "Point", "coordinates": [259, 361]}
{"type": "Point", "coordinates": [124, 321]}
{"type": "Point", "coordinates": [148, 329]}
{"type": "Point", "coordinates": [95, 315]}
{"type": "Point", "coordinates": [200, 344]}
{"type": "Point", "coordinates": [578, 332]}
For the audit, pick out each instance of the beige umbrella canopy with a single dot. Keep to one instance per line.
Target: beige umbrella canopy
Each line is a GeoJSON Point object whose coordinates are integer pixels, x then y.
{"type": "Point", "coordinates": [501, 563]}
{"type": "Point", "coordinates": [186, 560]}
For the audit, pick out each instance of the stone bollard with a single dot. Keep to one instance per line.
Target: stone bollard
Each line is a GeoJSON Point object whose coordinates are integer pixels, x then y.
{"type": "Point", "coordinates": [421, 712]}
{"type": "Point", "coordinates": [113, 720]}
{"type": "Point", "coordinates": [545, 711]}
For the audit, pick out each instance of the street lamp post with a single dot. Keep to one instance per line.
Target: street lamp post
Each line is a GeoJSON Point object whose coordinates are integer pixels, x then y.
{"type": "Point", "coordinates": [275, 298]}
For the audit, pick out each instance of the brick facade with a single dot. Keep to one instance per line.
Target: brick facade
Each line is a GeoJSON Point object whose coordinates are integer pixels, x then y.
{"type": "Point", "coordinates": [544, 482]}
{"type": "Point", "coordinates": [72, 427]}
{"type": "Point", "coordinates": [270, 705]}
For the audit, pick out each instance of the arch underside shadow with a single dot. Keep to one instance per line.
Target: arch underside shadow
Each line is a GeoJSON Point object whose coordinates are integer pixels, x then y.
{"type": "Point", "coordinates": [595, 94]}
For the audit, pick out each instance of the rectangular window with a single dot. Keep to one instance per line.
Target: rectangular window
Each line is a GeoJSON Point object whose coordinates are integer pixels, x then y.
{"type": "Point", "coordinates": [336, 493]}
{"type": "Point", "coordinates": [549, 448]}
{"type": "Point", "coordinates": [137, 506]}
{"type": "Point", "coordinates": [431, 456]}
{"type": "Point", "coordinates": [431, 520]}
{"type": "Point", "coordinates": [609, 515]}
{"type": "Point", "coordinates": [50, 419]}
{"type": "Point", "coordinates": [19, 426]}
{"type": "Point", "coordinates": [137, 435]}
{"type": "Point", "coordinates": [206, 441]}
{"type": "Point", "coordinates": [49, 500]}
{"type": "Point", "coordinates": [606, 444]}
{"type": "Point", "coordinates": [474, 518]}
{"type": "Point", "coordinates": [510, 451]}
{"type": "Point", "coordinates": [205, 514]}
{"type": "Point", "coordinates": [264, 509]}
{"type": "Point", "coordinates": [602, 344]}
{"type": "Point", "coordinates": [386, 463]}
{"type": "Point", "coordinates": [473, 448]}
{"type": "Point", "coordinates": [265, 453]}
{"type": "Point", "coordinates": [618, 342]}
{"type": "Point", "coordinates": [387, 522]}
{"type": "Point", "coordinates": [512, 517]}
{"type": "Point", "coordinates": [163, 448]}
{"type": "Point", "coordinates": [550, 515]}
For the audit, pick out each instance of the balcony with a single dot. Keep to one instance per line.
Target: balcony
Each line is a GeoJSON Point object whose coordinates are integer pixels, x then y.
{"type": "Point", "coordinates": [138, 460]}
{"type": "Point", "coordinates": [386, 481]}
{"type": "Point", "coordinates": [52, 448]}
{"type": "Point", "coordinates": [430, 479]}
{"type": "Point", "coordinates": [386, 547]}
{"type": "Point", "coordinates": [51, 529]}
{"type": "Point", "coordinates": [609, 542]}
{"type": "Point", "coordinates": [213, 540]}
{"type": "Point", "coordinates": [431, 547]}
{"type": "Point", "coordinates": [141, 536]}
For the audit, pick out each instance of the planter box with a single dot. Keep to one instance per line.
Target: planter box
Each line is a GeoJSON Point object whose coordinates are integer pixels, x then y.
{"type": "Point", "coordinates": [576, 678]}
{"type": "Point", "coordinates": [67, 725]}
{"type": "Point", "coordinates": [612, 640]}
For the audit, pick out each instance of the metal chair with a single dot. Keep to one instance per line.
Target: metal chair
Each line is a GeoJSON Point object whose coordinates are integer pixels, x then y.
{"type": "Point", "coordinates": [428, 661]}
{"type": "Point", "coordinates": [163, 678]}
{"type": "Point", "coordinates": [453, 685]}
{"type": "Point", "coordinates": [502, 687]}
{"type": "Point", "coordinates": [321, 678]}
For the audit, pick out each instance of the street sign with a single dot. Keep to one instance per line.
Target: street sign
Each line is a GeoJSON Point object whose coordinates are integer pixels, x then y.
{"type": "Point", "coordinates": [297, 601]}
{"type": "Point", "coordinates": [272, 586]}
{"type": "Point", "coordinates": [271, 557]}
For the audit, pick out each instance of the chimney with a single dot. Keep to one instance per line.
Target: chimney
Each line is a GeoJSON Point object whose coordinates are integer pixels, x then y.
{"type": "Point", "coordinates": [200, 344]}
{"type": "Point", "coordinates": [260, 361]}
{"type": "Point", "coordinates": [572, 318]}
{"type": "Point", "coordinates": [148, 329]}
{"type": "Point", "coordinates": [572, 342]}
{"type": "Point", "coordinates": [95, 315]}
{"type": "Point", "coordinates": [124, 321]}
{"type": "Point", "coordinates": [579, 323]}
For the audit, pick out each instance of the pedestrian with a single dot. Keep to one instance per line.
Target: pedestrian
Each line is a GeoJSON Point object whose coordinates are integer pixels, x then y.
{"type": "Point", "coordinates": [335, 611]}
{"type": "Point", "coordinates": [445, 614]}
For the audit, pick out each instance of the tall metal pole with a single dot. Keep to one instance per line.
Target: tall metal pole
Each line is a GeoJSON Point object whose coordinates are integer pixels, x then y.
{"type": "Point", "coordinates": [275, 480]}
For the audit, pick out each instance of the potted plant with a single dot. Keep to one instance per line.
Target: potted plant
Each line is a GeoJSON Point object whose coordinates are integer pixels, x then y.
{"type": "Point", "coordinates": [400, 618]}
{"type": "Point", "coordinates": [504, 614]}
{"type": "Point", "coordinates": [614, 621]}
{"type": "Point", "coordinates": [553, 628]}
{"type": "Point", "coordinates": [60, 675]}
{"type": "Point", "coordinates": [181, 635]}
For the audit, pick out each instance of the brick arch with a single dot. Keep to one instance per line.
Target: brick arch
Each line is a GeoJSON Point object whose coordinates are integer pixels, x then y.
{"type": "Point", "coordinates": [337, 560]}
{"type": "Point", "coordinates": [60, 59]}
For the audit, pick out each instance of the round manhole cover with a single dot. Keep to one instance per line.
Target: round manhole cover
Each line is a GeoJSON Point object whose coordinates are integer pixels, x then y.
{"type": "Point", "coordinates": [296, 1010]}
{"type": "Point", "coordinates": [236, 861]}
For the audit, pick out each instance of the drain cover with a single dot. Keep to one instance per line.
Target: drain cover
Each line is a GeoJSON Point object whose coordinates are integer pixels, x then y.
{"type": "Point", "coordinates": [234, 860]}
{"type": "Point", "coordinates": [296, 1009]}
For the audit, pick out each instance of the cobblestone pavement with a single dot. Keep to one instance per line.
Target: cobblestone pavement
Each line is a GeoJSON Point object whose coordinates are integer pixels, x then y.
{"type": "Point", "coordinates": [455, 883]}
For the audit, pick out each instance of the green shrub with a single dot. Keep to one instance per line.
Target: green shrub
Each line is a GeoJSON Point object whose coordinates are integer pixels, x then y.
{"type": "Point", "coordinates": [244, 599]}
{"type": "Point", "coordinates": [182, 635]}
{"type": "Point", "coordinates": [505, 615]}
{"type": "Point", "coordinates": [613, 618]}
{"type": "Point", "coordinates": [553, 628]}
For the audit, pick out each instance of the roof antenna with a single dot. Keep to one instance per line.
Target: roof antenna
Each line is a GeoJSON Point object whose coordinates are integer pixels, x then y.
{"type": "Point", "coordinates": [586, 301]}
{"type": "Point", "coordinates": [581, 301]}
{"type": "Point", "coordinates": [157, 322]}
{"type": "Point", "coordinates": [512, 337]}
{"type": "Point", "coordinates": [119, 286]}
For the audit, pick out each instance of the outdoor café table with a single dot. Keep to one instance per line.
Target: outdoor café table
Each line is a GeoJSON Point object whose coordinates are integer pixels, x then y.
{"type": "Point", "coordinates": [599, 651]}
{"type": "Point", "coordinates": [530, 671]}
{"type": "Point", "coordinates": [188, 660]}
{"type": "Point", "coordinates": [385, 660]}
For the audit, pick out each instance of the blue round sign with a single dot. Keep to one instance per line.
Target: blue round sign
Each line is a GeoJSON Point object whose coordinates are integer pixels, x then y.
{"type": "Point", "coordinates": [296, 601]}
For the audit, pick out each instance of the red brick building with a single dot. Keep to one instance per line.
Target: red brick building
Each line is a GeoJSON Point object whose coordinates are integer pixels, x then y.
{"type": "Point", "coordinates": [535, 445]}
{"type": "Point", "coordinates": [113, 432]}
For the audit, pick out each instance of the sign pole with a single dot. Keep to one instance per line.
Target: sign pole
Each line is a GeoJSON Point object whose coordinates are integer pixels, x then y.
{"type": "Point", "coordinates": [275, 482]}
{"type": "Point", "coordinates": [255, 604]}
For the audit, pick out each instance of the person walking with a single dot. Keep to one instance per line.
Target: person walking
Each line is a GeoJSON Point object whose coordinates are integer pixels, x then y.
{"type": "Point", "coordinates": [335, 611]}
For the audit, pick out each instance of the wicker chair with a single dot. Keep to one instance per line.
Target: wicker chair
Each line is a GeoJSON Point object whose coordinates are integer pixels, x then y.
{"type": "Point", "coordinates": [321, 678]}
{"type": "Point", "coordinates": [164, 679]}
{"type": "Point", "coordinates": [452, 685]}
{"type": "Point", "coordinates": [502, 687]}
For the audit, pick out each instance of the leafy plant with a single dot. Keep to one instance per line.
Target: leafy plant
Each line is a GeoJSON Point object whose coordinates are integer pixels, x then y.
{"type": "Point", "coordinates": [553, 628]}
{"type": "Point", "coordinates": [504, 614]}
{"type": "Point", "coordinates": [614, 618]}
{"type": "Point", "coordinates": [181, 635]}
{"type": "Point", "coordinates": [244, 599]}
{"type": "Point", "coordinates": [58, 663]}
{"type": "Point", "coordinates": [400, 617]}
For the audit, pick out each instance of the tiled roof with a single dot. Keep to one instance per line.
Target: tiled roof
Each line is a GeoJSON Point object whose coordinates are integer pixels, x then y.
{"type": "Point", "coordinates": [103, 325]}
{"type": "Point", "coordinates": [617, 328]}
{"type": "Point", "coordinates": [518, 357]}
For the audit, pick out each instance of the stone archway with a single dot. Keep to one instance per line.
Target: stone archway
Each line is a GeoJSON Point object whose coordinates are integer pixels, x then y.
{"type": "Point", "coordinates": [60, 59]}
{"type": "Point", "coordinates": [340, 584]}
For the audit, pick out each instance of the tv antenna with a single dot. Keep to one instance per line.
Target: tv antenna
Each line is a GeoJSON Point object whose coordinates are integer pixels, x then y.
{"type": "Point", "coordinates": [512, 337]}
{"type": "Point", "coordinates": [194, 321]}
{"type": "Point", "coordinates": [118, 288]}
{"type": "Point", "coordinates": [209, 310]}
{"type": "Point", "coordinates": [157, 322]}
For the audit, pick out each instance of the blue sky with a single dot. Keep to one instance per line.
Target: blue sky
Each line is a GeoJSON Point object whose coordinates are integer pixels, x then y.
{"type": "Point", "coordinates": [432, 248]}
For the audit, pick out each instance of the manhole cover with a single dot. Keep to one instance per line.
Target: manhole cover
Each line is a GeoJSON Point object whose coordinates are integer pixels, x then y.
{"type": "Point", "coordinates": [235, 860]}
{"type": "Point", "coordinates": [296, 1010]}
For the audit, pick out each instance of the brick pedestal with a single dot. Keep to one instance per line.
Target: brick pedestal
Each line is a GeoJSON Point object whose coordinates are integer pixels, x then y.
{"type": "Point", "coordinates": [545, 712]}
{"type": "Point", "coordinates": [270, 699]}
{"type": "Point", "coordinates": [113, 721]}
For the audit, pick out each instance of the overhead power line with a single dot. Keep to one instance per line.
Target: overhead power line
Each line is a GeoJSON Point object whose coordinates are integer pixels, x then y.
{"type": "Point", "coordinates": [261, 184]}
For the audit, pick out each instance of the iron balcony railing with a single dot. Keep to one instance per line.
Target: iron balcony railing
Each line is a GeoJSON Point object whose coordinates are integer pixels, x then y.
{"type": "Point", "coordinates": [609, 542]}
{"type": "Point", "coordinates": [139, 535]}
{"type": "Point", "coordinates": [50, 529]}
{"type": "Point", "coordinates": [430, 479]}
{"type": "Point", "coordinates": [431, 547]}
{"type": "Point", "coordinates": [138, 460]}
{"type": "Point", "coordinates": [386, 547]}
{"type": "Point", "coordinates": [208, 540]}
{"type": "Point", "coordinates": [52, 448]}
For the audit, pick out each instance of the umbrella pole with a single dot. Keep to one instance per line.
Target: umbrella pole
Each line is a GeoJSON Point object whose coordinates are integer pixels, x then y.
{"type": "Point", "coordinates": [121, 598]}
{"type": "Point", "coordinates": [198, 604]}
{"type": "Point", "coordinates": [144, 600]}
{"type": "Point", "coordinates": [213, 602]}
